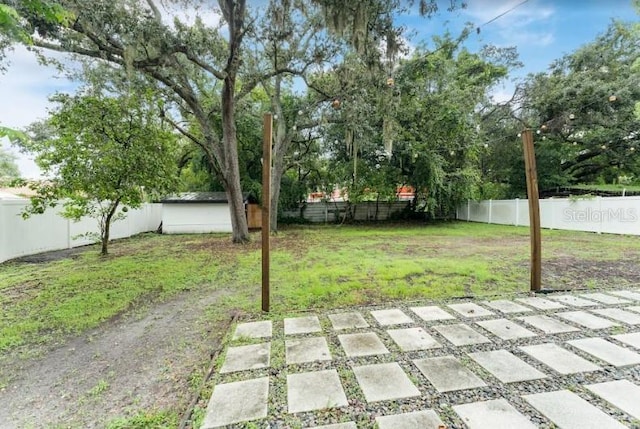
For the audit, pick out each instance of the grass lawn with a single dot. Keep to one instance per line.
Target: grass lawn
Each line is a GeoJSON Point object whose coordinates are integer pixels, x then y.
{"type": "Point", "coordinates": [316, 268]}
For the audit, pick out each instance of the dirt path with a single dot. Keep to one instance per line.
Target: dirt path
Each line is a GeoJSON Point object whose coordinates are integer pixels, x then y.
{"type": "Point", "coordinates": [127, 364]}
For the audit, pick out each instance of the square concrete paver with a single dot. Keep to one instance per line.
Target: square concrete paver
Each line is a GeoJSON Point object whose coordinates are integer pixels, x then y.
{"type": "Point", "coordinates": [540, 303]}
{"type": "Point", "coordinates": [559, 359]}
{"type": "Point", "coordinates": [237, 402]}
{"type": "Point", "coordinates": [506, 329]}
{"type": "Point", "coordinates": [431, 313]}
{"type": "Point", "coordinates": [351, 320]}
{"type": "Point", "coordinates": [448, 374]}
{"type": "Point", "coordinates": [548, 324]}
{"type": "Point", "coordinates": [427, 419]}
{"type": "Point", "coordinates": [620, 315]}
{"type": "Point", "coordinates": [569, 411]}
{"type": "Point", "coordinates": [573, 301]}
{"type": "Point", "coordinates": [604, 298]}
{"type": "Point", "coordinates": [253, 330]}
{"type": "Point", "coordinates": [365, 344]}
{"type": "Point", "coordinates": [587, 320]}
{"type": "Point", "coordinates": [243, 358]}
{"type": "Point", "coordinates": [301, 325]}
{"type": "Point", "coordinates": [506, 367]}
{"type": "Point", "coordinates": [635, 308]}
{"type": "Point", "coordinates": [469, 309]}
{"type": "Point", "coordinates": [507, 307]}
{"type": "Point", "coordinates": [461, 334]}
{"type": "Point", "coordinates": [317, 390]}
{"type": "Point", "coordinates": [392, 316]}
{"type": "Point", "coordinates": [634, 296]}
{"type": "Point", "coordinates": [303, 350]}
{"type": "Point", "coordinates": [412, 339]}
{"type": "Point", "coordinates": [495, 414]}
{"type": "Point", "coordinates": [606, 351]}
{"type": "Point", "coordinates": [385, 381]}
{"type": "Point", "coordinates": [621, 393]}
{"type": "Point", "coordinates": [348, 425]}
{"type": "Point", "coordinates": [632, 339]}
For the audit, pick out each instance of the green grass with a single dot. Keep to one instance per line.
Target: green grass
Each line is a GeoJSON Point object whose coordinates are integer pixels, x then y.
{"type": "Point", "coordinates": [312, 267]}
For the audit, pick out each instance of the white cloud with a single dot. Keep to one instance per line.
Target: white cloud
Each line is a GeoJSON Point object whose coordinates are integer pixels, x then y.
{"type": "Point", "coordinates": [521, 24]}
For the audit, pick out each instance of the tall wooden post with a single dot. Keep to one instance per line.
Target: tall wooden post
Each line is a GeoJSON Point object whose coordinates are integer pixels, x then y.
{"type": "Point", "coordinates": [266, 208]}
{"type": "Point", "coordinates": [534, 208]}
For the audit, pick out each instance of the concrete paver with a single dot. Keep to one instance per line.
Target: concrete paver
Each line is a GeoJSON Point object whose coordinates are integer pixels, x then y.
{"type": "Point", "coordinates": [621, 393]}
{"type": "Point", "coordinates": [632, 339]}
{"type": "Point", "coordinates": [495, 414]}
{"type": "Point", "coordinates": [317, 390]}
{"type": "Point", "coordinates": [427, 419]}
{"type": "Point", "coordinates": [540, 303]}
{"type": "Point", "coordinates": [606, 351]}
{"type": "Point", "coordinates": [448, 374]}
{"type": "Point", "coordinates": [243, 358]}
{"type": "Point", "coordinates": [620, 315]}
{"type": "Point", "coordinates": [351, 320]}
{"type": "Point", "coordinates": [301, 350]}
{"type": "Point", "coordinates": [237, 402]}
{"type": "Point", "coordinates": [461, 334]}
{"type": "Point", "coordinates": [469, 309]}
{"type": "Point", "coordinates": [569, 411]}
{"type": "Point", "coordinates": [431, 313]}
{"type": "Point", "coordinates": [392, 316]}
{"type": "Point", "coordinates": [507, 307]}
{"type": "Point", "coordinates": [506, 367]}
{"type": "Point", "coordinates": [301, 325]}
{"type": "Point", "coordinates": [559, 359]}
{"type": "Point", "coordinates": [386, 381]}
{"type": "Point", "coordinates": [573, 301]}
{"type": "Point", "coordinates": [634, 296]}
{"type": "Point", "coordinates": [604, 298]}
{"type": "Point", "coordinates": [532, 338]}
{"type": "Point", "coordinates": [412, 339]}
{"type": "Point", "coordinates": [365, 344]}
{"type": "Point", "coordinates": [587, 320]}
{"type": "Point", "coordinates": [506, 329]}
{"type": "Point", "coordinates": [262, 329]}
{"type": "Point", "coordinates": [548, 324]}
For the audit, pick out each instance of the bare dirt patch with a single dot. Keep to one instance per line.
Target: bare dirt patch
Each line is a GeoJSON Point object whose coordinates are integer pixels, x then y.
{"type": "Point", "coordinates": [573, 273]}
{"type": "Point", "coordinates": [130, 364]}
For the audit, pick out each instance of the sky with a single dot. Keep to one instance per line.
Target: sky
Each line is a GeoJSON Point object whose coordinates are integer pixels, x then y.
{"type": "Point", "coordinates": [541, 30]}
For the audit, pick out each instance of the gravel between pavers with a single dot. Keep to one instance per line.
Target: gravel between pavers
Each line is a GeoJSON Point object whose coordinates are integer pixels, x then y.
{"type": "Point", "coordinates": [364, 413]}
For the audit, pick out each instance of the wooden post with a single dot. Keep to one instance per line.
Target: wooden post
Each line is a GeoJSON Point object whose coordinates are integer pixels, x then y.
{"type": "Point", "coordinates": [266, 208]}
{"type": "Point", "coordinates": [534, 208]}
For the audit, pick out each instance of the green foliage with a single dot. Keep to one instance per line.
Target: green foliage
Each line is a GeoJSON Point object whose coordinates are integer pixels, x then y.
{"type": "Point", "coordinates": [102, 153]}
{"type": "Point", "coordinates": [147, 420]}
{"type": "Point", "coordinates": [8, 167]}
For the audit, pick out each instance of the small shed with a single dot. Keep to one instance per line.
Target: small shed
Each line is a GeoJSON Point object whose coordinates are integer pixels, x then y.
{"type": "Point", "coordinates": [198, 212]}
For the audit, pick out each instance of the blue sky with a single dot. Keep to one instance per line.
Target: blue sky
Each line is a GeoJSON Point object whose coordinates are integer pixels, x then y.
{"type": "Point", "coordinates": [542, 31]}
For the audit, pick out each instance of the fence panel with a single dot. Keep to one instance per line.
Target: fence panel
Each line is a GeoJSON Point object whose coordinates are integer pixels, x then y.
{"type": "Point", "coordinates": [321, 212]}
{"type": "Point", "coordinates": [51, 231]}
{"type": "Point", "coordinates": [614, 215]}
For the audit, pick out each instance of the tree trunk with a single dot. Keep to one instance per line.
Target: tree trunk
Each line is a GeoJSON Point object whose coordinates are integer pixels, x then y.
{"type": "Point", "coordinates": [276, 182]}
{"type": "Point", "coordinates": [106, 228]}
{"type": "Point", "coordinates": [231, 168]}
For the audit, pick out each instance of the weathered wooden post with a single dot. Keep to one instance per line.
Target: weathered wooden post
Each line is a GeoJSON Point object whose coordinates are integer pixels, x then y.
{"type": "Point", "coordinates": [534, 208]}
{"type": "Point", "coordinates": [266, 208]}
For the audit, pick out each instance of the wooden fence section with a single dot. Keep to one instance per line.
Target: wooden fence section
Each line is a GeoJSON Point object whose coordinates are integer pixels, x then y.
{"type": "Point", "coordinates": [330, 212]}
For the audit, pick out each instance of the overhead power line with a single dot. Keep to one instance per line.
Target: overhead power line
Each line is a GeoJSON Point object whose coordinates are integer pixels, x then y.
{"type": "Point", "coordinates": [501, 15]}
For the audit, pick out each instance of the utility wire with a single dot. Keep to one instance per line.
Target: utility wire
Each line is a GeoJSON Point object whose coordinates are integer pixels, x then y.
{"type": "Point", "coordinates": [501, 15]}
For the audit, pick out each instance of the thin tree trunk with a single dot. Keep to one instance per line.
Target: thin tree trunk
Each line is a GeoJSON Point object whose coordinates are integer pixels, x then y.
{"type": "Point", "coordinates": [106, 229]}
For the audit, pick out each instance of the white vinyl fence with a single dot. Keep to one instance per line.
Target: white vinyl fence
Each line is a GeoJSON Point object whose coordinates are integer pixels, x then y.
{"type": "Point", "coordinates": [50, 231]}
{"type": "Point", "coordinates": [613, 215]}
